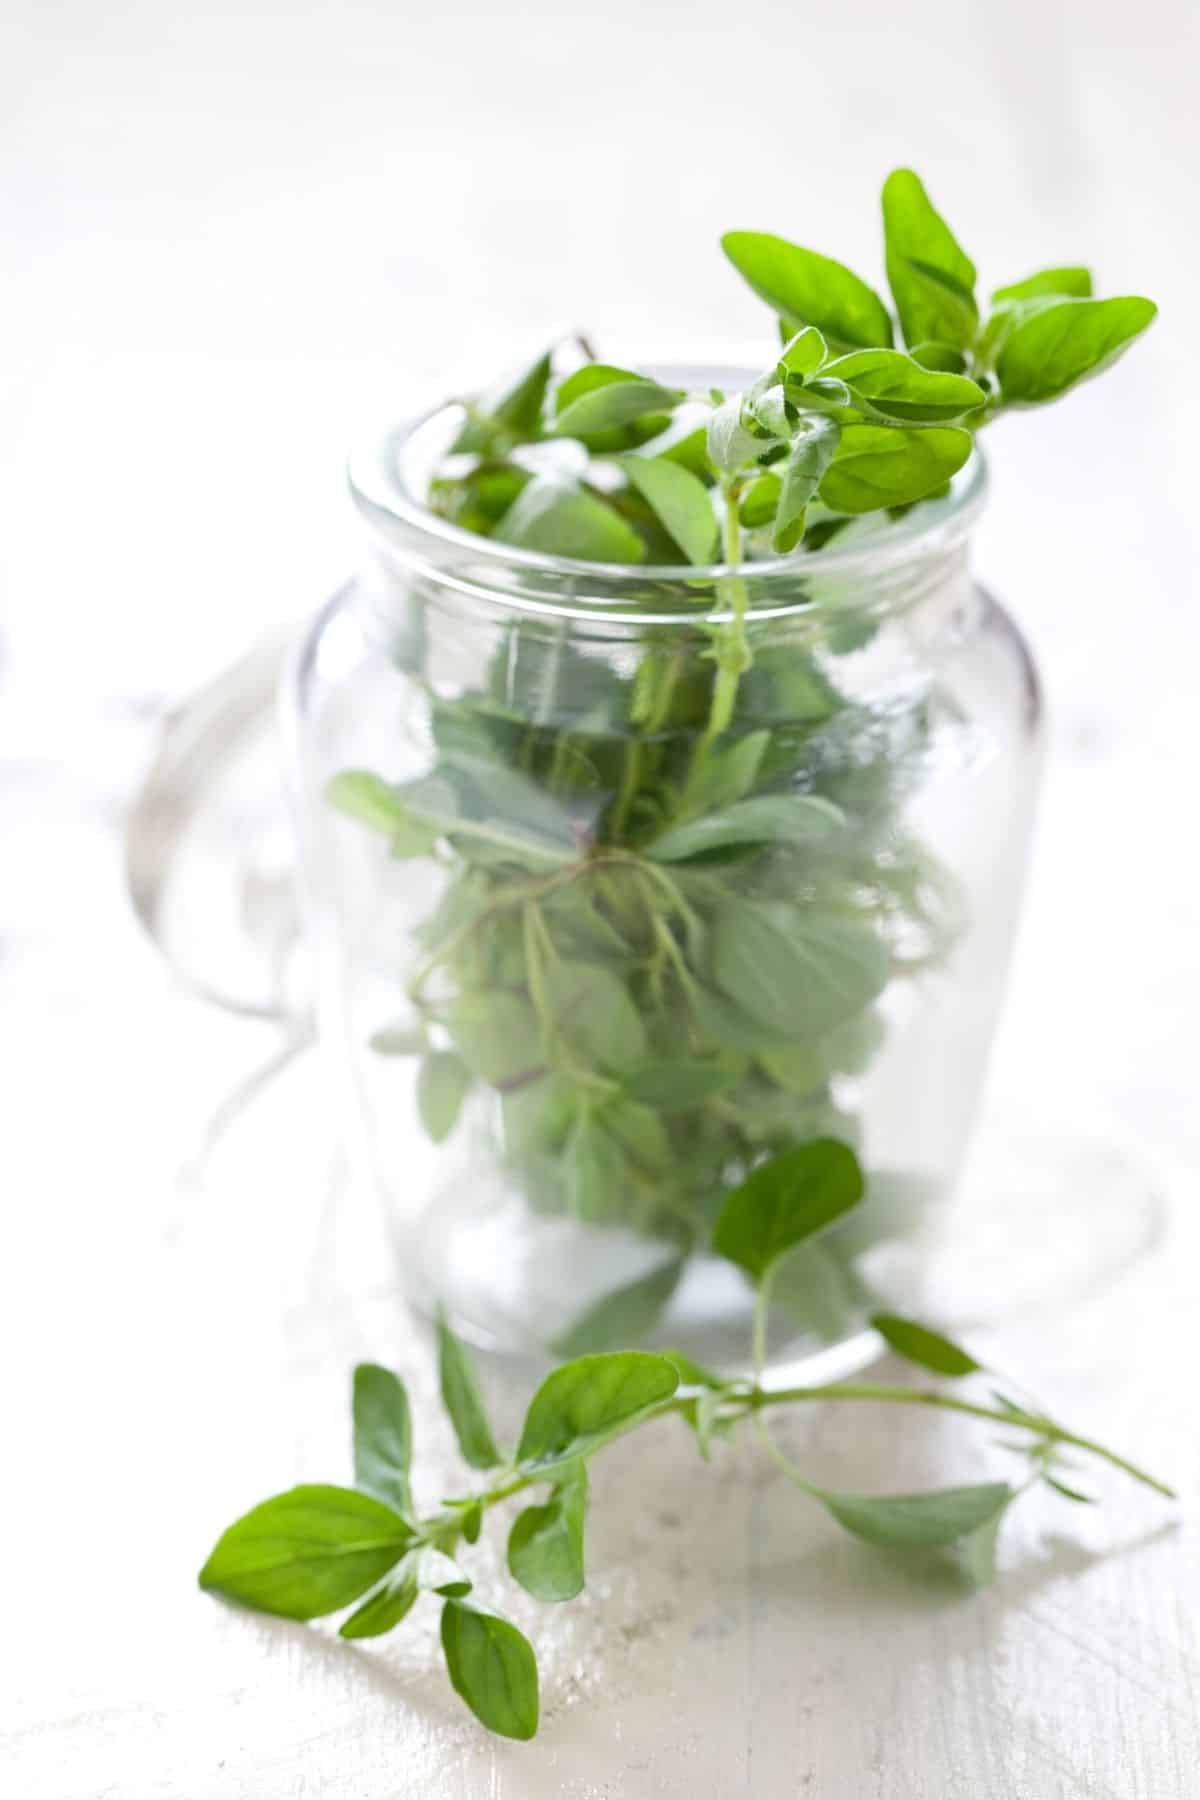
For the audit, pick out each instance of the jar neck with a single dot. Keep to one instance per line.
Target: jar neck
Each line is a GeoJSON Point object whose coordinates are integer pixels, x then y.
{"type": "Point", "coordinates": [926, 596]}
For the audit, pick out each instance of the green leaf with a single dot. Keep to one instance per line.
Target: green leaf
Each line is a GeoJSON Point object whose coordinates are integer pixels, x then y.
{"type": "Point", "coordinates": [475, 798]}
{"type": "Point", "coordinates": [470, 1518]}
{"type": "Point", "coordinates": [518, 404]}
{"type": "Point", "coordinates": [785, 1201]}
{"type": "Point", "coordinates": [492, 1667]}
{"type": "Point", "coordinates": [813, 1288]}
{"type": "Point", "coordinates": [725, 1024]}
{"type": "Point", "coordinates": [797, 970]}
{"type": "Point", "coordinates": [594, 1012]}
{"type": "Point", "coordinates": [461, 1398]}
{"type": "Point", "coordinates": [1068, 1493]}
{"type": "Point", "coordinates": [595, 1172]}
{"type": "Point", "coordinates": [687, 448]}
{"type": "Point", "coordinates": [545, 1545]}
{"type": "Point", "coordinates": [767, 406]}
{"type": "Point", "coordinates": [679, 500]}
{"type": "Point", "coordinates": [729, 444]}
{"type": "Point", "coordinates": [820, 393]}
{"type": "Point", "coordinates": [813, 449]}
{"type": "Point", "coordinates": [307, 1552]}
{"type": "Point", "coordinates": [392, 1601]}
{"type": "Point", "coordinates": [497, 1035]}
{"type": "Point", "coordinates": [757, 504]}
{"type": "Point", "coordinates": [1072, 281]}
{"type": "Point", "coordinates": [514, 403]}
{"type": "Point", "coordinates": [513, 801]}
{"type": "Point", "coordinates": [597, 397]}
{"type": "Point", "coordinates": [382, 1436]}
{"type": "Point", "coordinates": [802, 819]}
{"type": "Point", "coordinates": [442, 1083]}
{"type": "Point", "coordinates": [585, 1402]}
{"type": "Point", "coordinates": [694, 1374]}
{"type": "Point", "coordinates": [374, 802]}
{"type": "Point", "coordinates": [928, 1349]}
{"type": "Point", "coordinates": [899, 387]}
{"type": "Point", "coordinates": [539, 1113]}
{"type": "Point", "coordinates": [729, 773]}
{"type": "Point", "coordinates": [878, 465]}
{"type": "Point", "coordinates": [366, 797]}
{"type": "Point", "coordinates": [1066, 342]}
{"type": "Point", "coordinates": [931, 277]}
{"type": "Point", "coordinates": [561, 518]}
{"type": "Point", "coordinates": [809, 289]}
{"type": "Point", "coordinates": [945, 357]}
{"type": "Point", "coordinates": [621, 1318]}
{"type": "Point", "coordinates": [804, 354]}
{"type": "Point", "coordinates": [679, 1086]}
{"type": "Point", "coordinates": [931, 1521]}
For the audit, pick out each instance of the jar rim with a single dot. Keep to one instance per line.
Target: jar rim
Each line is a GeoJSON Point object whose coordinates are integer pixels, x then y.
{"type": "Point", "coordinates": [386, 499]}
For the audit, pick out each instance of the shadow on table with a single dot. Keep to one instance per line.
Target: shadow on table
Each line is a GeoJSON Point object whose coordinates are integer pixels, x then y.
{"type": "Point", "coordinates": [847, 1578]}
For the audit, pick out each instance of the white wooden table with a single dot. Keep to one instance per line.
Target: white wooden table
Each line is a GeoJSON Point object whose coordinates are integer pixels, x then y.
{"type": "Point", "coordinates": [229, 232]}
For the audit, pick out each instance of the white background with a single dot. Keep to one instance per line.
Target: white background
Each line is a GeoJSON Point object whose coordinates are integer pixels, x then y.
{"type": "Point", "coordinates": [229, 234]}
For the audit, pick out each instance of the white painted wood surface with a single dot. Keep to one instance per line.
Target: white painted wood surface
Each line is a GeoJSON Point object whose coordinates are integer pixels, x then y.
{"type": "Point", "coordinates": [228, 233]}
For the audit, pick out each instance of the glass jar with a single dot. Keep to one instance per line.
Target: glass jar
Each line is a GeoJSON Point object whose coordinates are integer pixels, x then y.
{"type": "Point", "coordinates": [603, 919]}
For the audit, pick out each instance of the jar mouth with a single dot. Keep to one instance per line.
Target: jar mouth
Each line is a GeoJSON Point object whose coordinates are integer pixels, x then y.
{"type": "Point", "coordinates": [389, 472]}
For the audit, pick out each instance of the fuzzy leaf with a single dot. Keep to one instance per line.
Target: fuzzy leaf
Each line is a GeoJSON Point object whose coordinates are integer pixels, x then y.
{"type": "Point", "coordinates": [813, 448]}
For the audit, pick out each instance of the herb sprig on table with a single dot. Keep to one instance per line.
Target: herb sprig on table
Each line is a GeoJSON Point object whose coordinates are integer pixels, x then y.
{"type": "Point", "coordinates": [678, 886]}
{"type": "Point", "coordinates": [317, 1550]}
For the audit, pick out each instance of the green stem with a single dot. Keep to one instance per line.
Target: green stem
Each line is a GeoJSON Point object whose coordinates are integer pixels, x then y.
{"type": "Point", "coordinates": [753, 1402]}
{"type": "Point", "coordinates": [631, 775]}
{"type": "Point", "coordinates": [929, 1397]}
{"type": "Point", "coordinates": [730, 648]}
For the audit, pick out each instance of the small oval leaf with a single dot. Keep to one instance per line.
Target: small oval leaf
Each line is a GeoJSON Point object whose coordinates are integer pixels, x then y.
{"type": "Point", "coordinates": [679, 500]}
{"type": "Point", "coordinates": [587, 1401]}
{"type": "Point", "coordinates": [492, 1667]}
{"type": "Point", "coordinates": [929, 1521]}
{"type": "Point", "coordinates": [307, 1552]}
{"type": "Point", "coordinates": [382, 1436]}
{"type": "Point", "coordinates": [809, 289]}
{"type": "Point", "coordinates": [928, 1349]}
{"type": "Point", "coordinates": [545, 1546]}
{"type": "Point", "coordinates": [794, 1196]}
{"type": "Point", "coordinates": [462, 1400]}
